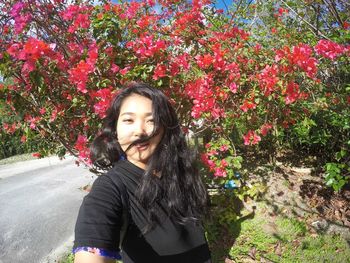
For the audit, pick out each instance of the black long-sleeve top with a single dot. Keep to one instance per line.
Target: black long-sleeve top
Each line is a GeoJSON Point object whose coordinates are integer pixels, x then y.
{"type": "Point", "coordinates": [100, 220]}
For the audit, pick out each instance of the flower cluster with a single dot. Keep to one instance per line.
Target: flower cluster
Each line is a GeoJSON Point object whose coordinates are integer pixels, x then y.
{"type": "Point", "coordinates": [292, 92]}
{"type": "Point", "coordinates": [146, 46]}
{"type": "Point", "coordinates": [79, 75]}
{"type": "Point", "coordinates": [330, 49]}
{"type": "Point", "coordinates": [204, 98]}
{"type": "Point", "coordinates": [251, 138]}
{"type": "Point", "coordinates": [268, 79]}
{"type": "Point", "coordinates": [20, 16]}
{"type": "Point", "coordinates": [79, 15]}
{"type": "Point", "coordinates": [81, 145]}
{"type": "Point", "coordinates": [104, 97]}
{"type": "Point", "coordinates": [300, 56]}
{"type": "Point", "coordinates": [32, 50]}
{"type": "Point", "coordinates": [213, 161]}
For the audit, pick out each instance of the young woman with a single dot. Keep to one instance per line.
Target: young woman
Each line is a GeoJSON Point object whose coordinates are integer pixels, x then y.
{"type": "Point", "coordinates": [143, 146]}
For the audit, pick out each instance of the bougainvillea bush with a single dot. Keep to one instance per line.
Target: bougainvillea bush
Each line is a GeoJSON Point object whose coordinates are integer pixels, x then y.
{"type": "Point", "coordinates": [232, 79]}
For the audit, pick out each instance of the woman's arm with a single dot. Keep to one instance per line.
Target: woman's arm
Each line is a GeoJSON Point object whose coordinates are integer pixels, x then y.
{"type": "Point", "coordinates": [87, 257]}
{"type": "Point", "coordinates": [97, 229]}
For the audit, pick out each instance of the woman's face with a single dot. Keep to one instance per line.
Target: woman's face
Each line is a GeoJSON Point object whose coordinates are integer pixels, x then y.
{"type": "Point", "coordinates": [135, 121]}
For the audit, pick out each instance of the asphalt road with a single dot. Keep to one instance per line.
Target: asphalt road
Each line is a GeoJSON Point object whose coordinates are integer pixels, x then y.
{"type": "Point", "coordinates": [39, 202]}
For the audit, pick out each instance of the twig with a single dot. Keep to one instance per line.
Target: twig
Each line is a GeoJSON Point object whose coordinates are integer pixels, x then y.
{"type": "Point", "coordinates": [306, 22]}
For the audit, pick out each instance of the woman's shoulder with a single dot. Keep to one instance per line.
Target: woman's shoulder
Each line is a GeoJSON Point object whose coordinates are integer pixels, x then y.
{"type": "Point", "coordinates": [108, 182]}
{"type": "Point", "coordinates": [115, 177]}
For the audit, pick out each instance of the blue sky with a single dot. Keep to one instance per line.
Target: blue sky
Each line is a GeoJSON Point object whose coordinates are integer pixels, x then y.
{"type": "Point", "coordinates": [220, 4]}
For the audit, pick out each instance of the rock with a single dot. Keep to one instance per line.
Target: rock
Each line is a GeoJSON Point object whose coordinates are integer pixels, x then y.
{"type": "Point", "coordinates": [320, 225]}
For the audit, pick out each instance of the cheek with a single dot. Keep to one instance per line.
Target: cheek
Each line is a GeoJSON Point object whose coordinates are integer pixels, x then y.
{"type": "Point", "coordinates": [121, 131]}
{"type": "Point", "coordinates": [157, 139]}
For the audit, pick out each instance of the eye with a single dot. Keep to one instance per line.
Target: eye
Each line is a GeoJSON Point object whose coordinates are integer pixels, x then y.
{"type": "Point", "coordinates": [151, 121]}
{"type": "Point", "coordinates": [127, 120]}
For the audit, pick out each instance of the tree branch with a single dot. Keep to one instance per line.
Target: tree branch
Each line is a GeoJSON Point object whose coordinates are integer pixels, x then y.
{"type": "Point", "coordinates": [306, 22]}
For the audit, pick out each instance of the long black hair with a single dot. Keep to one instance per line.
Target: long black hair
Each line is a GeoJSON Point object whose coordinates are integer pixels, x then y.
{"type": "Point", "coordinates": [179, 183]}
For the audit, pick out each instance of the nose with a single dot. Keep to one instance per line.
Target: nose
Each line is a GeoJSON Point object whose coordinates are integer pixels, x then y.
{"type": "Point", "coordinates": [140, 129]}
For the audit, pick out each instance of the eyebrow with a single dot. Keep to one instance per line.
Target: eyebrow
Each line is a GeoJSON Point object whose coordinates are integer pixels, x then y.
{"type": "Point", "coordinates": [132, 113]}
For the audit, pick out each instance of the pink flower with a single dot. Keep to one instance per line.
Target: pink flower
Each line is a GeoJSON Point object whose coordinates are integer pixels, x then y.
{"type": "Point", "coordinates": [204, 61]}
{"type": "Point", "coordinates": [21, 21]}
{"type": "Point", "coordinates": [265, 129]}
{"type": "Point", "coordinates": [17, 8]}
{"type": "Point", "coordinates": [104, 96]}
{"type": "Point", "coordinates": [37, 155]}
{"type": "Point", "coordinates": [219, 172]}
{"type": "Point", "coordinates": [79, 75]}
{"type": "Point", "coordinates": [23, 138]}
{"type": "Point", "coordinates": [224, 148]}
{"type": "Point", "coordinates": [124, 71]}
{"type": "Point", "coordinates": [159, 72]}
{"type": "Point", "coordinates": [42, 111]}
{"type": "Point", "coordinates": [224, 163]}
{"type": "Point", "coordinates": [292, 93]}
{"type": "Point", "coordinates": [115, 68]}
{"type": "Point", "coordinates": [247, 105]}
{"type": "Point", "coordinates": [233, 87]}
{"type": "Point", "coordinates": [329, 49]}
{"type": "Point", "coordinates": [251, 138]}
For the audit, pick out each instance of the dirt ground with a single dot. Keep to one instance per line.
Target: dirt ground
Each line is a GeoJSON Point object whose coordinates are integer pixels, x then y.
{"type": "Point", "coordinates": [300, 192]}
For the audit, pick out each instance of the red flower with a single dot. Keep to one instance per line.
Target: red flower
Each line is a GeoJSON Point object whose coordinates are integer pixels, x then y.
{"type": "Point", "coordinates": [265, 129]}
{"type": "Point", "coordinates": [251, 138]}
{"type": "Point", "coordinates": [115, 68]}
{"type": "Point", "coordinates": [204, 61]}
{"type": "Point", "coordinates": [82, 21]}
{"type": "Point", "coordinates": [219, 172]}
{"type": "Point", "coordinates": [224, 148]}
{"type": "Point", "coordinates": [81, 146]}
{"type": "Point", "coordinates": [23, 138]}
{"type": "Point", "coordinates": [81, 142]}
{"type": "Point", "coordinates": [233, 87]}
{"type": "Point", "coordinates": [268, 79]}
{"type": "Point", "coordinates": [223, 163]}
{"type": "Point", "coordinates": [42, 111]}
{"type": "Point", "coordinates": [125, 70]}
{"type": "Point", "coordinates": [247, 105]}
{"type": "Point", "coordinates": [79, 75]}
{"type": "Point", "coordinates": [146, 46]}
{"type": "Point", "coordinates": [159, 71]}
{"type": "Point", "coordinates": [329, 49]}
{"type": "Point", "coordinates": [36, 155]}
{"type": "Point", "coordinates": [9, 129]}
{"type": "Point", "coordinates": [70, 12]}
{"type": "Point", "coordinates": [301, 56]}
{"type": "Point", "coordinates": [104, 96]}
{"type": "Point", "coordinates": [292, 93]}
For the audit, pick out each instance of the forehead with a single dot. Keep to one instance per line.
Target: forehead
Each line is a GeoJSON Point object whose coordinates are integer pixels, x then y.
{"type": "Point", "coordinates": [136, 104]}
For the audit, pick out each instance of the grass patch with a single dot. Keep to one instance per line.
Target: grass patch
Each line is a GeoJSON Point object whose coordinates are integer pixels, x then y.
{"type": "Point", "coordinates": [17, 158]}
{"type": "Point", "coordinates": [68, 258]}
{"type": "Point", "coordinates": [285, 240]}
{"type": "Point", "coordinates": [289, 229]}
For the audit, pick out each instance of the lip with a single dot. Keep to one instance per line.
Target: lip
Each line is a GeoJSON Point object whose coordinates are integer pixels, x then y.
{"type": "Point", "coordinates": [142, 146]}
